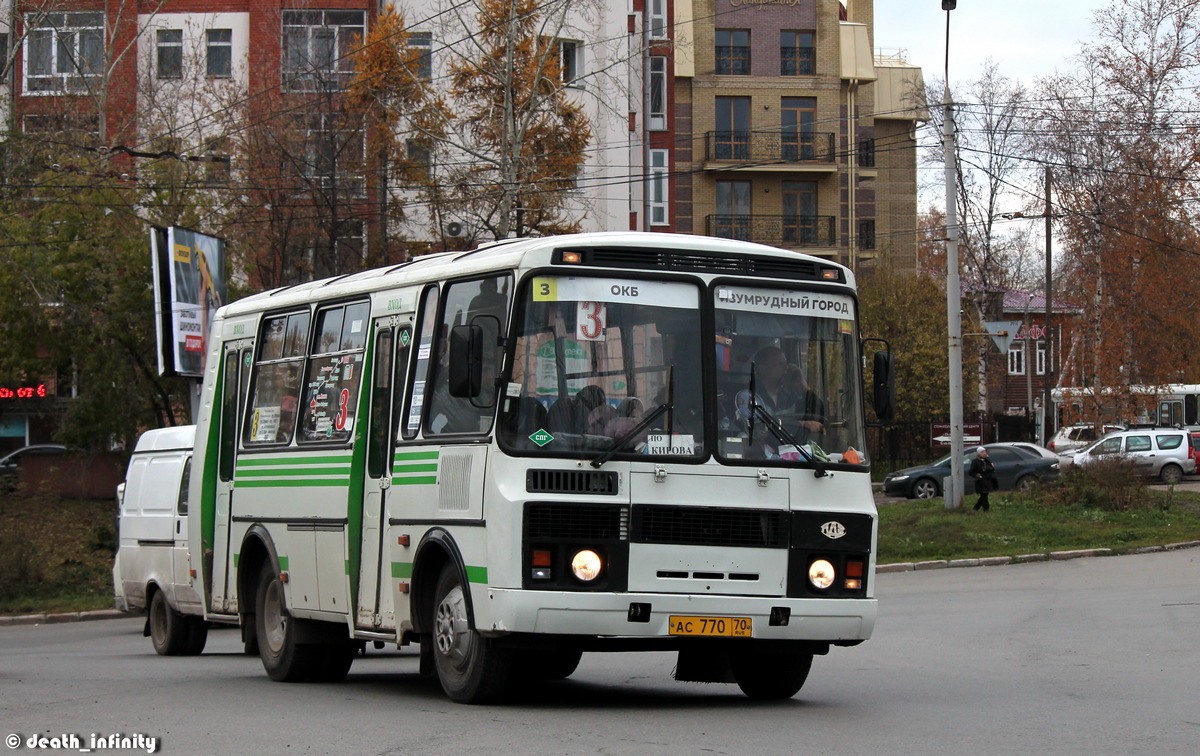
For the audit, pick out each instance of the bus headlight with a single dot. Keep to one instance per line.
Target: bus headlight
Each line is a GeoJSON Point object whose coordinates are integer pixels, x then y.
{"type": "Point", "coordinates": [586, 565]}
{"type": "Point", "coordinates": [821, 574]}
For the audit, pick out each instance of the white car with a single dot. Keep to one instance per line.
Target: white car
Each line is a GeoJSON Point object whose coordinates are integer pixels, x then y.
{"type": "Point", "coordinates": [1071, 438]}
{"type": "Point", "coordinates": [1165, 453]}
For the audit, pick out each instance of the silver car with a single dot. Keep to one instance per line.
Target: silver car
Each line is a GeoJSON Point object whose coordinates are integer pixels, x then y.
{"type": "Point", "coordinates": [1165, 453]}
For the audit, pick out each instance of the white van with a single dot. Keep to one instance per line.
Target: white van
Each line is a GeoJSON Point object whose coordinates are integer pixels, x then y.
{"type": "Point", "coordinates": [151, 571]}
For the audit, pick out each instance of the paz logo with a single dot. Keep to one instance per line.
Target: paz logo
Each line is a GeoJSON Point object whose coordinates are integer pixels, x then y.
{"type": "Point", "coordinates": [541, 437]}
{"type": "Point", "coordinates": [833, 529]}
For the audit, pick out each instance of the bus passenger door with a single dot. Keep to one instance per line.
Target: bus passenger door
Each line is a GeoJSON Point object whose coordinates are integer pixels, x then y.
{"type": "Point", "coordinates": [236, 365]}
{"type": "Point", "coordinates": [375, 610]}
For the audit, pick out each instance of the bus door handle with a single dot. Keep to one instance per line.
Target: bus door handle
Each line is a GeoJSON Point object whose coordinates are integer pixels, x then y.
{"type": "Point", "coordinates": [385, 483]}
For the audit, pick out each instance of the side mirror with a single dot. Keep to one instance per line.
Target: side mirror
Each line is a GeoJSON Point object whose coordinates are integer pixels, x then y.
{"type": "Point", "coordinates": [466, 361]}
{"type": "Point", "coordinates": [885, 387]}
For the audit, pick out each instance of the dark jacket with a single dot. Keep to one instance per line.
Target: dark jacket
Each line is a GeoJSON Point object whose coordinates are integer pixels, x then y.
{"type": "Point", "coordinates": [984, 473]}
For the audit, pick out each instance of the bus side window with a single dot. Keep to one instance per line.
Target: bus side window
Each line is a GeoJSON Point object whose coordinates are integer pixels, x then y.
{"type": "Point", "coordinates": [229, 408]}
{"type": "Point", "coordinates": [482, 302]}
{"type": "Point", "coordinates": [278, 372]}
{"type": "Point", "coordinates": [381, 393]}
{"type": "Point", "coordinates": [416, 400]}
{"type": "Point", "coordinates": [330, 390]}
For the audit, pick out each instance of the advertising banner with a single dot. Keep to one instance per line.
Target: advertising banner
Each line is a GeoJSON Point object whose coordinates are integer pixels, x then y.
{"type": "Point", "coordinates": [189, 286]}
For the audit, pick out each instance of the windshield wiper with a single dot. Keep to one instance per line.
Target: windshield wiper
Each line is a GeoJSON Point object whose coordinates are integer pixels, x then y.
{"type": "Point", "coordinates": [667, 406]}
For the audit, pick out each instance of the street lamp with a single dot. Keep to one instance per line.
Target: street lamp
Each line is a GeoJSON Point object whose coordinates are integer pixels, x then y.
{"type": "Point", "coordinates": [954, 493]}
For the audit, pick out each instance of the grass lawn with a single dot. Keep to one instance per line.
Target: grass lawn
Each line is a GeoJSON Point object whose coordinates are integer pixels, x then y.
{"type": "Point", "coordinates": [915, 531]}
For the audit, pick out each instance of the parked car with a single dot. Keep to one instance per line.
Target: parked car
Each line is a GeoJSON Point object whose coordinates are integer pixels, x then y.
{"type": "Point", "coordinates": [1032, 449]}
{"type": "Point", "coordinates": [151, 569]}
{"type": "Point", "coordinates": [1165, 453]}
{"type": "Point", "coordinates": [1071, 438]}
{"type": "Point", "coordinates": [10, 464]}
{"type": "Point", "coordinates": [1016, 469]}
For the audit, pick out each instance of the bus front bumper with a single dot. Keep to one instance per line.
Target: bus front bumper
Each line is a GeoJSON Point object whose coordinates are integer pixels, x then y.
{"type": "Point", "coordinates": [649, 615]}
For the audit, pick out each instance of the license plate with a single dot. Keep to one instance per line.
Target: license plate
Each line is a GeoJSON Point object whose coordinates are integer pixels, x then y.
{"type": "Point", "coordinates": [726, 627]}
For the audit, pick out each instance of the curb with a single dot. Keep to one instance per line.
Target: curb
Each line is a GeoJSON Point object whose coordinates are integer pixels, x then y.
{"type": "Point", "coordinates": [56, 619]}
{"type": "Point", "coordinates": [943, 564]}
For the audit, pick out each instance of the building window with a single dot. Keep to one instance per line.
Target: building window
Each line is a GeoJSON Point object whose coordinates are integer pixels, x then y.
{"type": "Point", "coordinates": [733, 52]}
{"type": "Point", "coordinates": [797, 56]}
{"type": "Point", "coordinates": [658, 19]}
{"type": "Point", "coordinates": [316, 47]}
{"type": "Point", "coordinates": [4, 48]}
{"type": "Point", "coordinates": [170, 53]}
{"type": "Point", "coordinates": [799, 200]}
{"type": "Point", "coordinates": [216, 165]}
{"type": "Point", "coordinates": [1040, 357]}
{"type": "Point", "coordinates": [866, 153]}
{"type": "Point", "coordinates": [658, 189]}
{"type": "Point", "coordinates": [732, 137]}
{"type": "Point", "coordinates": [732, 220]}
{"type": "Point", "coordinates": [420, 161]}
{"type": "Point", "coordinates": [335, 154]}
{"type": "Point", "coordinates": [63, 51]}
{"type": "Point", "coordinates": [658, 92]}
{"type": "Point", "coordinates": [866, 234]}
{"type": "Point", "coordinates": [218, 54]}
{"type": "Point", "coordinates": [797, 121]}
{"type": "Point", "coordinates": [1016, 358]}
{"type": "Point", "coordinates": [569, 52]}
{"type": "Point", "coordinates": [424, 42]}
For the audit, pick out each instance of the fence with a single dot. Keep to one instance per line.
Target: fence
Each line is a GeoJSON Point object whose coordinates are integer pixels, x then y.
{"type": "Point", "coordinates": [906, 444]}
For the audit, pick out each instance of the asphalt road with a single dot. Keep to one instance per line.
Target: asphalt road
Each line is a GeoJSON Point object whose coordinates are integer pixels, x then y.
{"type": "Point", "coordinates": [1089, 656]}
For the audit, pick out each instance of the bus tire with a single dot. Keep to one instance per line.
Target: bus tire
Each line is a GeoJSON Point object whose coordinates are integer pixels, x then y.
{"type": "Point", "coordinates": [770, 676]}
{"type": "Point", "coordinates": [470, 668]}
{"type": "Point", "coordinates": [558, 664]}
{"type": "Point", "coordinates": [168, 628]}
{"type": "Point", "coordinates": [284, 659]}
{"type": "Point", "coordinates": [197, 636]}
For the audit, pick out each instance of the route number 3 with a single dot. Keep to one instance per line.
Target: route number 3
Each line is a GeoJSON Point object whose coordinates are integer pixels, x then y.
{"type": "Point", "coordinates": [590, 321]}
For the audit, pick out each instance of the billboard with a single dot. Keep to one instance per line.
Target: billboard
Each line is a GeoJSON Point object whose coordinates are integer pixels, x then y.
{"type": "Point", "coordinates": [189, 286]}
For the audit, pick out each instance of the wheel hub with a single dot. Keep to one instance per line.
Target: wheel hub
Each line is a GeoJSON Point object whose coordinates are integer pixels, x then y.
{"type": "Point", "coordinates": [274, 620]}
{"type": "Point", "coordinates": [451, 633]}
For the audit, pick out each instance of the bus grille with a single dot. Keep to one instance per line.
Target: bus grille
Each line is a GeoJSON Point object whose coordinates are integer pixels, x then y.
{"type": "Point", "coordinates": [571, 482]}
{"type": "Point", "coordinates": [576, 521]}
{"type": "Point", "coordinates": [707, 526]}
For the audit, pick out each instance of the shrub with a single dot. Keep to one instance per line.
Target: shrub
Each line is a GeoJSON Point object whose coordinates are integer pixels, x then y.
{"type": "Point", "coordinates": [1112, 484]}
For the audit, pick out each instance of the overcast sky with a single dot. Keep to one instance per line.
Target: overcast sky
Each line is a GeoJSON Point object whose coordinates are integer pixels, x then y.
{"type": "Point", "coordinates": [1027, 38]}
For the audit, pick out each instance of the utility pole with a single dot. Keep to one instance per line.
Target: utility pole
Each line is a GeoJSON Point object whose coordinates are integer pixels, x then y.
{"type": "Point", "coordinates": [1047, 408]}
{"type": "Point", "coordinates": [954, 494]}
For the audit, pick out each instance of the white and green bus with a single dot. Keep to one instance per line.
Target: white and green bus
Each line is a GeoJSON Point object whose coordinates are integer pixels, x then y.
{"type": "Point", "coordinates": [516, 454]}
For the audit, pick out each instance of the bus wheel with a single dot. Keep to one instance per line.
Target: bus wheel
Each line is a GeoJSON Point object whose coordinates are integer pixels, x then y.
{"type": "Point", "coordinates": [770, 676]}
{"type": "Point", "coordinates": [168, 629]}
{"type": "Point", "coordinates": [470, 667]}
{"type": "Point", "coordinates": [548, 665]}
{"type": "Point", "coordinates": [284, 659]}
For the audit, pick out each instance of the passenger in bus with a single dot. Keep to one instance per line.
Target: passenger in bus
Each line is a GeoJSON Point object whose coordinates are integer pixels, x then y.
{"type": "Point", "coordinates": [287, 418]}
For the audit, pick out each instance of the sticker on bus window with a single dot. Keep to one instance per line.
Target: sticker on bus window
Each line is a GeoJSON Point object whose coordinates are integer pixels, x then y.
{"type": "Point", "coordinates": [591, 320]}
{"type": "Point", "coordinates": [265, 424]}
{"type": "Point", "coordinates": [678, 444]}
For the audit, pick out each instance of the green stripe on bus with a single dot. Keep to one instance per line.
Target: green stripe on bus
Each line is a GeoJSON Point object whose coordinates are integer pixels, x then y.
{"type": "Point", "coordinates": [424, 480]}
{"type": "Point", "coordinates": [414, 468]}
{"type": "Point", "coordinates": [405, 570]}
{"type": "Point", "coordinates": [293, 483]}
{"type": "Point", "coordinates": [295, 460]}
{"type": "Point", "coordinates": [266, 473]}
{"type": "Point", "coordinates": [401, 456]}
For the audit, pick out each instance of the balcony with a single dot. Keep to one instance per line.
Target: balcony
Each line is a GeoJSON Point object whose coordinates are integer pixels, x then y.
{"type": "Point", "coordinates": [770, 151]}
{"type": "Point", "coordinates": [775, 230]}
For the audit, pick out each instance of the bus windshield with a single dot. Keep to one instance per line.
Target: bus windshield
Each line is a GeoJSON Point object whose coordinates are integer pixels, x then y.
{"type": "Point", "coordinates": [606, 366]}
{"type": "Point", "coordinates": [788, 382]}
